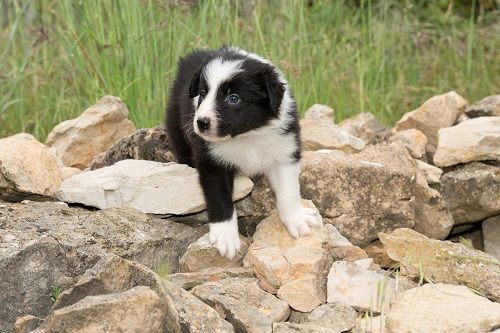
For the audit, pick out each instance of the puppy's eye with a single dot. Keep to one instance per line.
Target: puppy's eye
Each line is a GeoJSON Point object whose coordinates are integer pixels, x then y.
{"type": "Point", "coordinates": [233, 99]}
{"type": "Point", "coordinates": [203, 93]}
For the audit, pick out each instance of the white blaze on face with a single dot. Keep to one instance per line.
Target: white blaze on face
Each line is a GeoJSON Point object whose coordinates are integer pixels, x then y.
{"type": "Point", "coordinates": [215, 72]}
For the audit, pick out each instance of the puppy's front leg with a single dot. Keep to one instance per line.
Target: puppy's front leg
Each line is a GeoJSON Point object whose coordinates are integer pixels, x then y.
{"type": "Point", "coordinates": [284, 179]}
{"type": "Point", "coordinates": [217, 184]}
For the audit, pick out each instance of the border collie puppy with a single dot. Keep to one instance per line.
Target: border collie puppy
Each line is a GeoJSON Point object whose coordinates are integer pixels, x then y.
{"type": "Point", "coordinates": [231, 111]}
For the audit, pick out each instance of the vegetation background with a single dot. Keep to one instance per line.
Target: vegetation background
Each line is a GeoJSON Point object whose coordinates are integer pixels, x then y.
{"type": "Point", "coordinates": [58, 57]}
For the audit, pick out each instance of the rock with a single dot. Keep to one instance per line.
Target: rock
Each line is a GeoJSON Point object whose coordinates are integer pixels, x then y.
{"type": "Point", "coordinates": [432, 173]}
{"type": "Point", "coordinates": [359, 287]}
{"type": "Point", "coordinates": [26, 324]}
{"type": "Point", "coordinates": [192, 315]}
{"type": "Point", "coordinates": [347, 189]}
{"type": "Point", "coordinates": [364, 126]}
{"type": "Point", "coordinates": [243, 303]}
{"type": "Point", "coordinates": [491, 236]}
{"type": "Point", "coordinates": [262, 198]}
{"type": "Point", "coordinates": [46, 244]}
{"type": "Point", "coordinates": [472, 238]}
{"type": "Point", "coordinates": [32, 174]}
{"type": "Point", "coordinates": [376, 251]}
{"type": "Point", "coordinates": [319, 132]}
{"type": "Point", "coordinates": [151, 187]}
{"type": "Point", "coordinates": [471, 192]}
{"type": "Point", "coordinates": [201, 254]}
{"type": "Point", "coordinates": [68, 172]}
{"type": "Point", "coordinates": [303, 293]}
{"type": "Point", "coordinates": [432, 217]}
{"type": "Point", "coordinates": [488, 106]}
{"type": "Point", "coordinates": [113, 274]}
{"type": "Point", "coordinates": [110, 313]}
{"type": "Point", "coordinates": [436, 113]}
{"type": "Point", "coordinates": [336, 317]}
{"type": "Point", "coordinates": [300, 328]}
{"type": "Point", "coordinates": [189, 280]}
{"type": "Point", "coordinates": [414, 140]}
{"type": "Point", "coordinates": [144, 144]}
{"type": "Point", "coordinates": [477, 139]}
{"type": "Point", "coordinates": [370, 324]}
{"type": "Point", "coordinates": [296, 269]}
{"type": "Point", "coordinates": [79, 140]}
{"type": "Point", "coordinates": [444, 262]}
{"type": "Point", "coordinates": [442, 308]}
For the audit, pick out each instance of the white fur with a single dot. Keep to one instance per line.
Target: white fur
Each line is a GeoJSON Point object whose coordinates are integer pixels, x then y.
{"type": "Point", "coordinates": [284, 179]}
{"type": "Point", "coordinates": [224, 235]}
{"type": "Point", "coordinates": [256, 151]}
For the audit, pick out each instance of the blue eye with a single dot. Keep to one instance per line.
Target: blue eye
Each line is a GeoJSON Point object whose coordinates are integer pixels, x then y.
{"type": "Point", "coordinates": [233, 99]}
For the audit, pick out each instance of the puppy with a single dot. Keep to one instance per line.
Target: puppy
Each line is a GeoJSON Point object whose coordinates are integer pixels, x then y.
{"type": "Point", "coordinates": [230, 112]}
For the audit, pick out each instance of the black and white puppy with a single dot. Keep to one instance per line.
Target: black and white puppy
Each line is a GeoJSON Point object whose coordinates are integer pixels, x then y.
{"type": "Point", "coordinates": [231, 111]}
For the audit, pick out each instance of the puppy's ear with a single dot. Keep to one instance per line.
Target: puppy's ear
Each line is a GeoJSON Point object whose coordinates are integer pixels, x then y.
{"type": "Point", "coordinates": [194, 87]}
{"type": "Point", "coordinates": [275, 90]}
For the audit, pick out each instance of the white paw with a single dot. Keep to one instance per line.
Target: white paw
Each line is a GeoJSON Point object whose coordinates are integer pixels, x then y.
{"type": "Point", "coordinates": [225, 236]}
{"type": "Point", "coordinates": [300, 220]}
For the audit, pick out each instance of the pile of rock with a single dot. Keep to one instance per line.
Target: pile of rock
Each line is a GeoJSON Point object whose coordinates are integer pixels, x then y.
{"type": "Point", "coordinates": [404, 216]}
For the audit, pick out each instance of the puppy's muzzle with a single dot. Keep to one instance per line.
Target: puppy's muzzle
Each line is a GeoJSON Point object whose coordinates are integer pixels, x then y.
{"type": "Point", "coordinates": [203, 124]}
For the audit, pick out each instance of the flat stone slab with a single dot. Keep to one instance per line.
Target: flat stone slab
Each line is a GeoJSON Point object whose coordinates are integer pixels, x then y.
{"type": "Point", "coordinates": [151, 187]}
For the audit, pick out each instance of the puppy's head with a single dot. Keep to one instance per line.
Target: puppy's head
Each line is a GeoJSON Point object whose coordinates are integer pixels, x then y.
{"type": "Point", "coordinates": [234, 95]}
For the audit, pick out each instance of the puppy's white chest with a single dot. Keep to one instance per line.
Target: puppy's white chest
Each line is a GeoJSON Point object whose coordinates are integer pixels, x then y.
{"type": "Point", "coordinates": [253, 153]}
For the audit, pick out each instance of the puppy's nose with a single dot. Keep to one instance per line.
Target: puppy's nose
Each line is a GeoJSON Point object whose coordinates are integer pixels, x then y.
{"type": "Point", "coordinates": [203, 123]}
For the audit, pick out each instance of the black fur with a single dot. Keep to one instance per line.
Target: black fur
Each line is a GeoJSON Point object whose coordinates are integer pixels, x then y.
{"type": "Point", "coordinates": [261, 94]}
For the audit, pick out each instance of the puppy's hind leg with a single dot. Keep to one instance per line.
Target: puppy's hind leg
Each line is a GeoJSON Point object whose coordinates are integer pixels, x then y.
{"type": "Point", "coordinates": [284, 180]}
{"type": "Point", "coordinates": [217, 184]}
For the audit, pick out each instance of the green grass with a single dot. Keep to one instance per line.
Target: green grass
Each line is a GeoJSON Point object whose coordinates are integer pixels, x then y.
{"type": "Point", "coordinates": [58, 57]}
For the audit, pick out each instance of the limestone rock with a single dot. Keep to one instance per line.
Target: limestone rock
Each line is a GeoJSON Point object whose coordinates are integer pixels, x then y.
{"type": "Point", "coordinates": [79, 140]}
{"type": "Point", "coordinates": [377, 252]}
{"type": "Point", "coordinates": [364, 126]}
{"type": "Point", "coordinates": [488, 106]}
{"type": "Point", "coordinates": [414, 140]}
{"type": "Point", "coordinates": [296, 269]}
{"type": "Point", "coordinates": [303, 293]}
{"type": "Point", "coordinates": [68, 172]}
{"type": "Point", "coordinates": [432, 217]}
{"type": "Point", "coordinates": [31, 174]}
{"type": "Point", "coordinates": [45, 244]}
{"type": "Point", "coordinates": [113, 274]}
{"type": "Point", "coordinates": [301, 328]}
{"type": "Point", "coordinates": [442, 308]}
{"type": "Point", "coordinates": [110, 313]}
{"type": "Point", "coordinates": [319, 132]}
{"type": "Point", "coordinates": [151, 187]}
{"type": "Point", "coordinates": [477, 139]}
{"type": "Point", "coordinates": [359, 287]}
{"type": "Point", "coordinates": [144, 144]}
{"type": "Point", "coordinates": [189, 280]}
{"type": "Point", "coordinates": [444, 262]}
{"type": "Point", "coordinates": [491, 236]}
{"type": "Point", "coordinates": [432, 173]}
{"type": "Point", "coordinates": [471, 191]}
{"type": "Point", "coordinates": [26, 324]}
{"type": "Point", "coordinates": [347, 189]}
{"type": "Point", "coordinates": [436, 113]}
{"type": "Point", "coordinates": [243, 303]}
{"type": "Point", "coordinates": [335, 317]}
{"type": "Point", "coordinates": [201, 254]}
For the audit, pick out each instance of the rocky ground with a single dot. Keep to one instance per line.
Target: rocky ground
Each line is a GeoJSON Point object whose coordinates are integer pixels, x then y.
{"type": "Point", "coordinates": [100, 231]}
